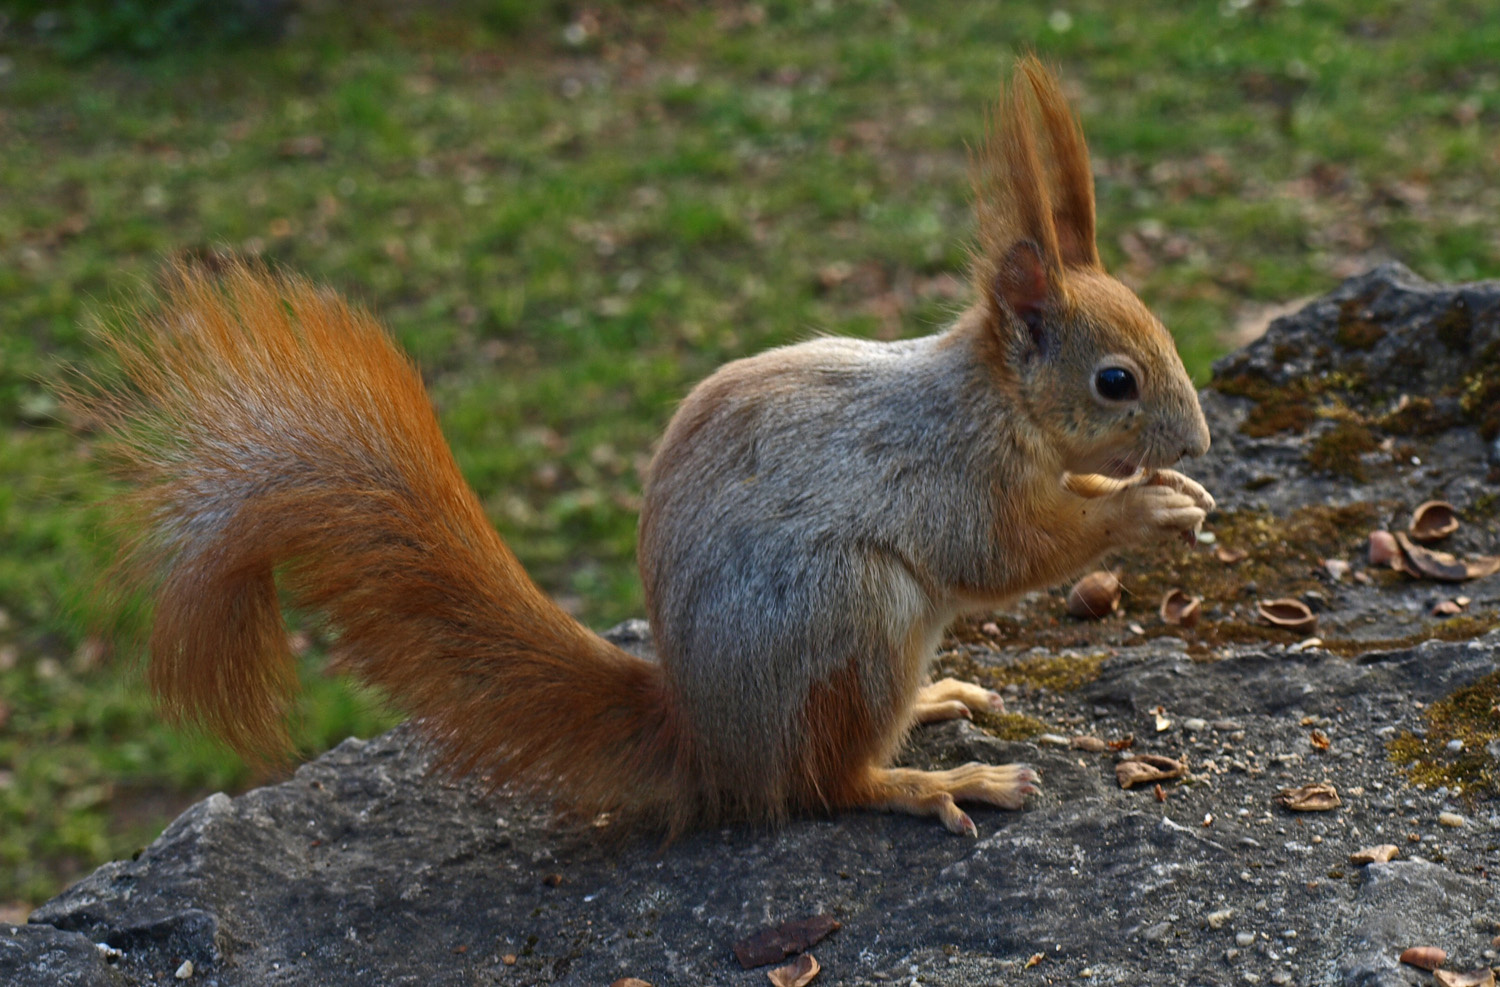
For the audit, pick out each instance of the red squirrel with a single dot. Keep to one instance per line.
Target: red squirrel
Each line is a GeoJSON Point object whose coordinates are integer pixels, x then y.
{"type": "Point", "coordinates": [815, 517]}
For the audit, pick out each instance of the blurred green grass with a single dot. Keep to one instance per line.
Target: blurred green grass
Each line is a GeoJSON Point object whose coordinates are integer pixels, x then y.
{"type": "Point", "coordinates": [570, 213]}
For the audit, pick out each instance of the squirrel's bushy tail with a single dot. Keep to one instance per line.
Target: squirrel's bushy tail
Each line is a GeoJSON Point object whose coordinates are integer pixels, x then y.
{"type": "Point", "coordinates": [278, 443]}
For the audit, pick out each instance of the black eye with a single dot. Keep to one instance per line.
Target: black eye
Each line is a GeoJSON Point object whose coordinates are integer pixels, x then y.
{"type": "Point", "coordinates": [1116, 384]}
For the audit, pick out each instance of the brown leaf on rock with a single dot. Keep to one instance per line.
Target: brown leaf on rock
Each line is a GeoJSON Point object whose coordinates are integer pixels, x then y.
{"type": "Point", "coordinates": [1424, 957]}
{"type": "Point", "coordinates": [1292, 615]}
{"type": "Point", "coordinates": [1319, 739]}
{"type": "Point", "coordinates": [779, 942]}
{"type": "Point", "coordinates": [797, 973]}
{"type": "Point", "coordinates": [1179, 609]}
{"type": "Point", "coordinates": [1433, 521]}
{"type": "Point", "coordinates": [1123, 744]}
{"type": "Point", "coordinates": [1316, 797]}
{"type": "Point", "coordinates": [1381, 854]}
{"type": "Point", "coordinates": [1145, 768]}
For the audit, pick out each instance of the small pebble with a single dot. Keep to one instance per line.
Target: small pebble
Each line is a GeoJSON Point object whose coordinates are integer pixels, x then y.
{"type": "Point", "coordinates": [1244, 939]}
{"type": "Point", "coordinates": [1281, 977]}
{"type": "Point", "coordinates": [1053, 740]}
{"type": "Point", "coordinates": [1194, 725]}
{"type": "Point", "coordinates": [185, 971]}
{"type": "Point", "coordinates": [1217, 919]}
{"type": "Point", "coordinates": [1451, 819]}
{"type": "Point", "coordinates": [1226, 726]}
{"type": "Point", "coordinates": [1455, 745]}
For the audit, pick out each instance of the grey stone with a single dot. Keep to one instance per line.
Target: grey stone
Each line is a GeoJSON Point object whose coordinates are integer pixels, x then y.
{"type": "Point", "coordinates": [366, 868]}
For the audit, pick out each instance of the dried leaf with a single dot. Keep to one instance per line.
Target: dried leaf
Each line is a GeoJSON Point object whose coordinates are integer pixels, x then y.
{"type": "Point", "coordinates": [1146, 768]}
{"type": "Point", "coordinates": [1424, 957]}
{"type": "Point", "coordinates": [1292, 615]}
{"type": "Point", "coordinates": [779, 942]}
{"type": "Point", "coordinates": [1433, 521]}
{"type": "Point", "coordinates": [797, 973]}
{"type": "Point", "coordinates": [1179, 609]}
{"type": "Point", "coordinates": [1381, 854]}
{"type": "Point", "coordinates": [1446, 608]}
{"type": "Point", "coordinates": [1319, 739]}
{"type": "Point", "coordinates": [1317, 797]}
{"type": "Point", "coordinates": [1095, 596]}
{"type": "Point", "coordinates": [1123, 744]}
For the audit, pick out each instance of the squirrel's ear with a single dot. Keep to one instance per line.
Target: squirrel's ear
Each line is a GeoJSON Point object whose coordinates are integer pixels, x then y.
{"type": "Point", "coordinates": [1025, 289]}
{"type": "Point", "coordinates": [1072, 184]}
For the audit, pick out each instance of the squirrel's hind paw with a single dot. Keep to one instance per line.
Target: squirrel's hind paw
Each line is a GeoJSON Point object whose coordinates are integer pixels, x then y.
{"type": "Point", "coordinates": [935, 793]}
{"type": "Point", "coordinates": [950, 699]}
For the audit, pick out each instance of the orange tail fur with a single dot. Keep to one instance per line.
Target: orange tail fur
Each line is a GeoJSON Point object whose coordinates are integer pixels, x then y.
{"type": "Point", "coordinates": [278, 441]}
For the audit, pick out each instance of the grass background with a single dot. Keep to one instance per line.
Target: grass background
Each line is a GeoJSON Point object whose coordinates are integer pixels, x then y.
{"type": "Point", "coordinates": [569, 213]}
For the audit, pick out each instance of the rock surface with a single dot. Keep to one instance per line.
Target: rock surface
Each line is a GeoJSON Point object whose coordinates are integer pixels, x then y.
{"type": "Point", "coordinates": [364, 869]}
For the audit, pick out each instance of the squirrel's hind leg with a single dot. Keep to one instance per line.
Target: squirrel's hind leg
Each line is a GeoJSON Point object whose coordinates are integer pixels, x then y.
{"type": "Point", "coordinates": [950, 699]}
{"type": "Point", "coordinates": [935, 793]}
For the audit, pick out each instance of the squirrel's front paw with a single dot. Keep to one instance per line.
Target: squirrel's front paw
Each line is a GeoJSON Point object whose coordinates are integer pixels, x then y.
{"type": "Point", "coordinates": [1185, 485]}
{"type": "Point", "coordinates": [1158, 508]}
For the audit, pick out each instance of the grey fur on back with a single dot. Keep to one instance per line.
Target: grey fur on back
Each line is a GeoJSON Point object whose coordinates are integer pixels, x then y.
{"type": "Point", "coordinates": [798, 493]}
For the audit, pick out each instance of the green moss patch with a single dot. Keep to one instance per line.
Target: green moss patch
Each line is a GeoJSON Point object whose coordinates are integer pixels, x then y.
{"type": "Point", "coordinates": [1338, 451]}
{"type": "Point", "coordinates": [1059, 673]}
{"type": "Point", "coordinates": [1472, 716]}
{"type": "Point", "coordinates": [1009, 726]}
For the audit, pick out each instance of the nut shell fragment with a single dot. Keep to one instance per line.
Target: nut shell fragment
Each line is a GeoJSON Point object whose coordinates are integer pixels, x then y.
{"type": "Point", "coordinates": [1292, 615]}
{"type": "Point", "coordinates": [1384, 853]}
{"type": "Point", "coordinates": [1433, 521]}
{"type": "Point", "coordinates": [1316, 797]}
{"type": "Point", "coordinates": [1179, 609]}
{"type": "Point", "coordinates": [1095, 485]}
{"type": "Point", "coordinates": [1482, 977]}
{"type": "Point", "coordinates": [1229, 556]}
{"type": "Point", "coordinates": [1444, 567]}
{"type": "Point", "coordinates": [1383, 549]}
{"type": "Point", "coordinates": [1424, 957]}
{"type": "Point", "coordinates": [1147, 768]}
{"type": "Point", "coordinates": [1095, 596]}
{"type": "Point", "coordinates": [797, 973]}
